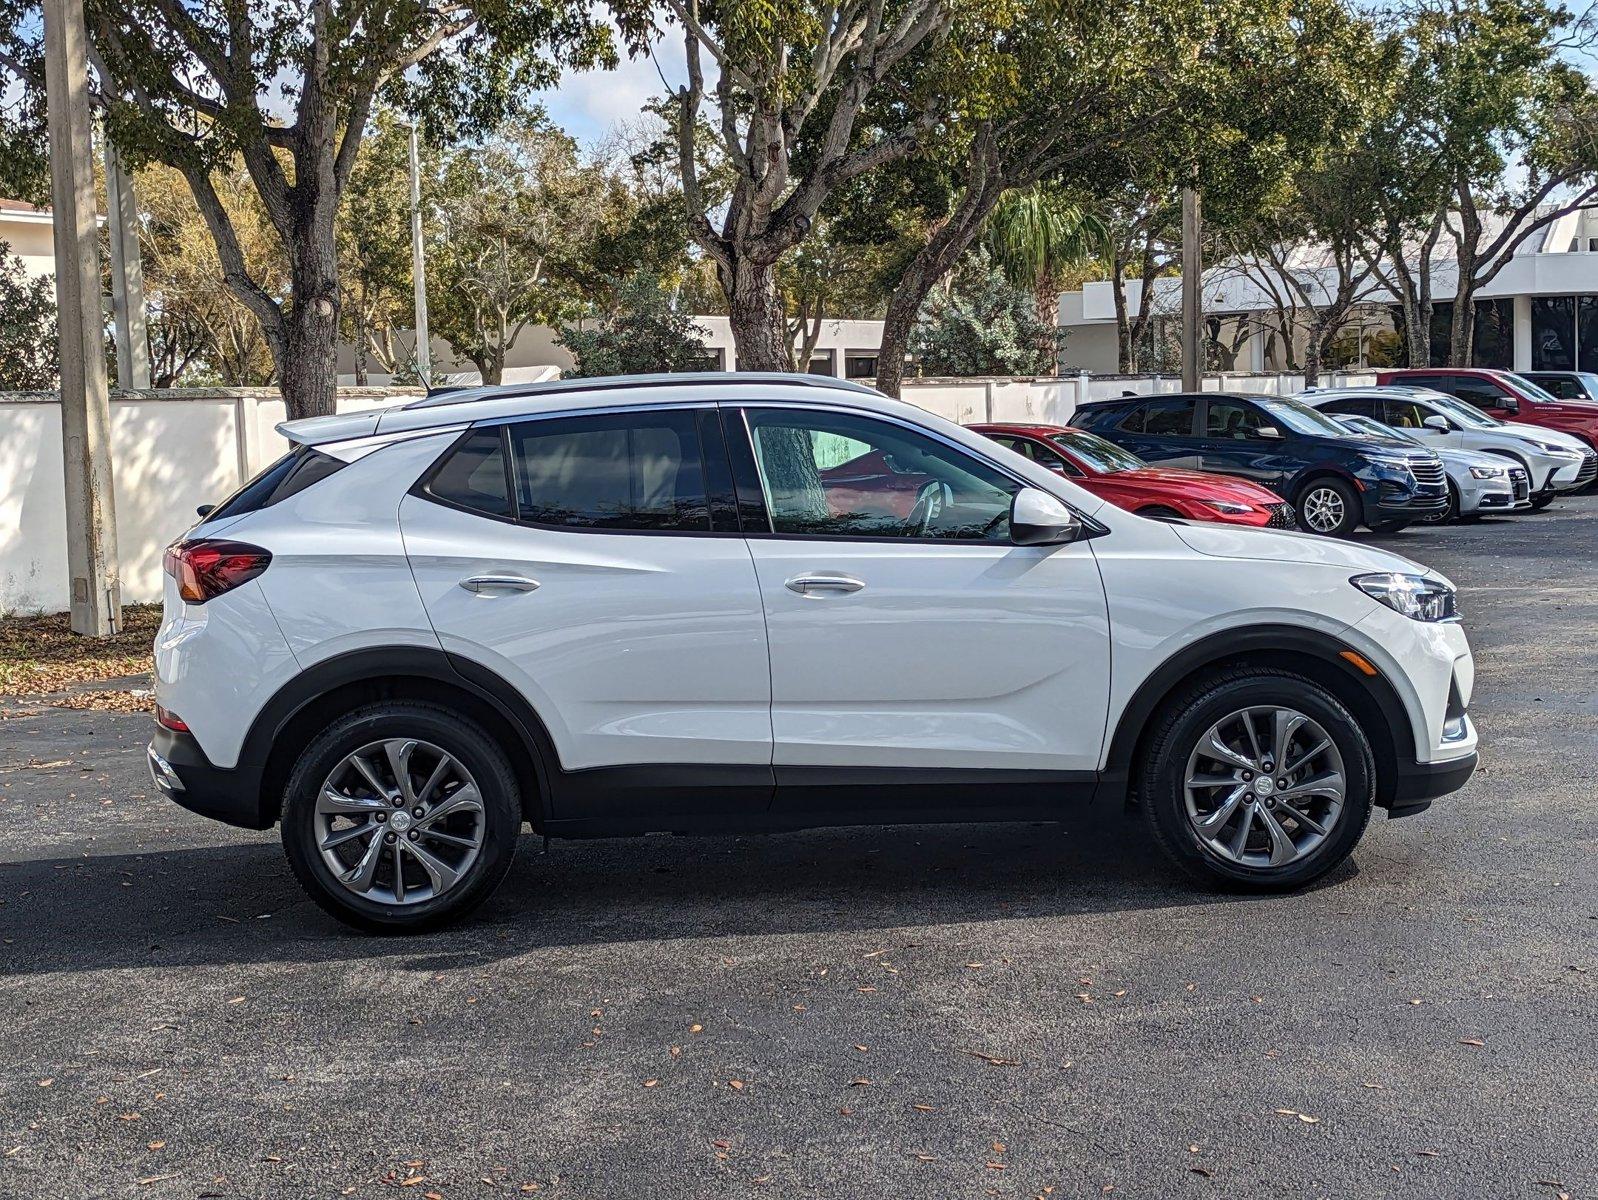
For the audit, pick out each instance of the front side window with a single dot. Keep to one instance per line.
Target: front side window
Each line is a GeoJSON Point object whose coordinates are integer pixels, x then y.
{"type": "Point", "coordinates": [1406, 414]}
{"type": "Point", "coordinates": [1483, 393]}
{"type": "Point", "coordinates": [1233, 421]}
{"type": "Point", "coordinates": [637, 471]}
{"type": "Point", "coordinates": [827, 474]}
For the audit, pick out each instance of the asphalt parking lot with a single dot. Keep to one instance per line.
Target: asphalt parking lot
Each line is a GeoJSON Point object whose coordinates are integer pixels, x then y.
{"type": "Point", "coordinates": [928, 1012]}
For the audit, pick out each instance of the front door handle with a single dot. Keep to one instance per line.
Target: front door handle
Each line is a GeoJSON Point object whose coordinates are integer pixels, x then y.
{"type": "Point", "coordinates": [488, 584]}
{"type": "Point", "coordinates": [810, 585]}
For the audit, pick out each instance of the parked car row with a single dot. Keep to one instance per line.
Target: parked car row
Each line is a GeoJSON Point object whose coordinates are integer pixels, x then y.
{"type": "Point", "coordinates": [1419, 446]}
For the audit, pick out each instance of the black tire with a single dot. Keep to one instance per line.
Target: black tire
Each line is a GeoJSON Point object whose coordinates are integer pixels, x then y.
{"type": "Point", "coordinates": [1390, 526]}
{"type": "Point", "coordinates": [1448, 514]}
{"type": "Point", "coordinates": [461, 738]}
{"type": "Point", "coordinates": [1185, 718]}
{"type": "Point", "coordinates": [1345, 496]}
{"type": "Point", "coordinates": [1541, 501]}
{"type": "Point", "coordinates": [1158, 512]}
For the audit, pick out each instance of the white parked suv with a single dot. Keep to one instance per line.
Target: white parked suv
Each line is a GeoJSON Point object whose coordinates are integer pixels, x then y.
{"type": "Point", "coordinates": [1555, 462]}
{"type": "Point", "coordinates": [738, 602]}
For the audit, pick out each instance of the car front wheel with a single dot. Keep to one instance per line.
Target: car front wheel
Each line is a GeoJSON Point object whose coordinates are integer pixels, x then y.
{"type": "Point", "coordinates": [1329, 506]}
{"type": "Point", "coordinates": [1257, 778]}
{"type": "Point", "coordinates": [401, 816]}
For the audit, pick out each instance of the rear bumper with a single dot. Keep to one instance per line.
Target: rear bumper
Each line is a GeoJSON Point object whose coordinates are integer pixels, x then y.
{"type": "Point", "coordinates": [185, 776]}
{"type": "Point", "coordinates": [1421, 783]}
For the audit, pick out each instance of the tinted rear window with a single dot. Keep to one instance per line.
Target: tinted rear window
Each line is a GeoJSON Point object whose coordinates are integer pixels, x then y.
{"type": "Point", "coordinates": [294, 472]}
{"type": "Point", "coordinates": [474, 476]}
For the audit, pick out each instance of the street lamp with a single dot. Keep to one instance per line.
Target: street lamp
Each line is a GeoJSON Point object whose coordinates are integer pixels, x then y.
{"type": "Point", "coordinates": [424, 346]}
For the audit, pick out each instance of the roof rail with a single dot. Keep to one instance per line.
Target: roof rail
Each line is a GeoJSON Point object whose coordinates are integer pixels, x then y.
{"type": "Point", "coordinates": [442, 396]}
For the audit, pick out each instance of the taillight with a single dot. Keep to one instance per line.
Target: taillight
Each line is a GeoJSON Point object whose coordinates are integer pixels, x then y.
{"type": "Point", "coordinates": [206, 568]}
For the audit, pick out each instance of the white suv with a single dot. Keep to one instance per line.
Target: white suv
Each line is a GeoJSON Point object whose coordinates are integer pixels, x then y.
{"type": "Point", "coordinates": [741, 602]}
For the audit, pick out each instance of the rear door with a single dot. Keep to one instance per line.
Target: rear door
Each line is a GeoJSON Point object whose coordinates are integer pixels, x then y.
{"type": "Point", "coordinates": [594, 562]}
{"type": "Point", "coordinates": [913, 647]}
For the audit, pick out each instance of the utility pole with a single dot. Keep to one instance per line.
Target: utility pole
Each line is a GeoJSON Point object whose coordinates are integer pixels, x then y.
{"type": "Point", "coordinates": [424, 346]}
{"type": "Point", "coordinates": [127, 275]}
{"type": "Point", "coordinates": [1192, 291]}
{"type": "Point", "coordinates": [85, 406]}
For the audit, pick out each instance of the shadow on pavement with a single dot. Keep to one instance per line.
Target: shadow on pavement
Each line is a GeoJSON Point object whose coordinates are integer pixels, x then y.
{"type": "Point", "coordinates": [238, 904]}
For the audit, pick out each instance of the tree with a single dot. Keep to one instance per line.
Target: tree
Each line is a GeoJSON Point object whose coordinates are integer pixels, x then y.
{"type": "Point", "coordinates": [200, 332]}
{"type": "Point", "coordinates": [1492, 137]}
{"type": "Point", "coordinates": [639, 333]}
{"type": "Point", "coordinates": [792, 80]}
{"type": "Point", "coordinates": [1036, 236]}
{"type": "Point", "coordinates": [985, 325]}
{"type": "Point", "coordinates": [1161, 91]}
{"type": "Point", "coordinates": [27, 328]}
{"type": "Point", "coordinates": [374, 250]}
{"type": "Point", "coordinates": [519, 219]}
{"type": "Point", "coordinates": [288, 90]}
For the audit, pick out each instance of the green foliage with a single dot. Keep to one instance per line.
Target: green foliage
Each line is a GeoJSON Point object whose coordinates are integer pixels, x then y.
{"type": "Point", "coordinates": [374, 247]}
{"type": "Point", "coordinates": [638, 332]}
{"type": "Point", "coordinates": [984, 325]}
{"type": "Point", "coordinates": [27, 328]}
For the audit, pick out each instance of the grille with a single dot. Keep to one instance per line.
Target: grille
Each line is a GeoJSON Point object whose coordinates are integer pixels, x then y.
{"type": "Point", "coordinates": [1427, 472]}
{"type": "Point", "coordinates": [1282, 517]}
{"type": "Point", "coordinates": [1589, 468]}
{"type": "Point", "coordinates": [1520, 482]}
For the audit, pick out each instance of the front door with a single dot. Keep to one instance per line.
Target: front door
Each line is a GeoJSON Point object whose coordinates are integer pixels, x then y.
{"type": "Point", "coordinates": [910, 640]}
{"type": "Point", "coordinates": [594, 563]}
{"type": "Point", "coordinates": [1233, 444]}
{"type": "Point", "coordinates": [1161, 431]}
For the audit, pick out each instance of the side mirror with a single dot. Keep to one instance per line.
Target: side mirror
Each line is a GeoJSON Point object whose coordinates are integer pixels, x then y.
{"type": "Point", "coordinates": [1269, 432]}
{"type": "Point", "coordinates": [1436, 422]}
{"type": "Point", "coordinates": [205, 510]}
{"type": "Point", "coordinates": [1509, 404]}
{"type": "Point", "coordinates": [1038, 519]}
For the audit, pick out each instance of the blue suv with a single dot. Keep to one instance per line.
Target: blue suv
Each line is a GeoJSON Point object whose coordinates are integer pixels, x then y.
{"type": "Point", "coordinates": [1337, 481]}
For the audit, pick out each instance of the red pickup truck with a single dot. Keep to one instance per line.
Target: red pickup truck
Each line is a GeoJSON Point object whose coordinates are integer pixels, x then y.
{"type": "Point", "coordinates": [1505, 395]}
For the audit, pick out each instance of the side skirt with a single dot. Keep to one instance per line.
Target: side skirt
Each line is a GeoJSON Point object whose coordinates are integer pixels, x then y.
{"type": "Point", "coordinates": [715, 799]}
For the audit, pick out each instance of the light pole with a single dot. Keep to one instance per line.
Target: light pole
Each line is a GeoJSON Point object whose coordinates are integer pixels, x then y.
{"type": "Point", "coordinates": [96, 601]}
{"type": "Point", "coordinates": [1192, 291]}
{"type": "Point", "coordinates": [424, 346]}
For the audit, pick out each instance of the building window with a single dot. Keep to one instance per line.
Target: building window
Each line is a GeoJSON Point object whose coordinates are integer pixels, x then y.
{"type": "Point", "coordinates": [1494, 342]}
{"type": "Point", "coordinates": [1587, 332]}
{"type": "Point", "coordinates": [1553, 333]}
{"type": "Point", "coordinates": [859, 366]}
{"type": "Point", "coordinates": [821, 363]}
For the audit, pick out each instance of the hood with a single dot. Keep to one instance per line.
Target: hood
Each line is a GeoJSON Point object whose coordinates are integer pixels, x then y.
{"type": "Point", "coordinates": [1220, 487]}
{"type": "Point", "coordinates": [1272, 545]}
{"type": "Point", "coordinates": [1542, 433]}
{"type": "Point", "coordinates": [1470, 458]}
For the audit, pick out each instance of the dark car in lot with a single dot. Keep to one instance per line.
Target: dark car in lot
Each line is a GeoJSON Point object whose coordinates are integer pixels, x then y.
{"type": "Point", "coordinates": [1336, 481]}
{"type": "Point", "coordinates": [1566, 385]}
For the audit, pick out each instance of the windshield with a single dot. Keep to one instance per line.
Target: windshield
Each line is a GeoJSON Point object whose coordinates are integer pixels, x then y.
{"type": "Point", "coordinates": [1373, 428]}
{"type": "Point", "coordinates": [1301, 418]}
{"type": "Point", "coordinates": [1535, 390]}
{"type": "Point", "coordinates": [1104, 457]}
{"type": "Point", "coordinates": [1472, 418]}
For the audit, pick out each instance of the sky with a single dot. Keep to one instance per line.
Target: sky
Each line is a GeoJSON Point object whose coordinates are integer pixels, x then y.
{"type": "Point", "coordinates": [588, 104]}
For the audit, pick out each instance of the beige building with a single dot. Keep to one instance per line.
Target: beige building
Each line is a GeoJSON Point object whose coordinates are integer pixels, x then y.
{"type": "Point", "coordinates": [25, 228]}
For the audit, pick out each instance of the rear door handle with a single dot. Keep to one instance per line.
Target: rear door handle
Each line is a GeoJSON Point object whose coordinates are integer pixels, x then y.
{"type": "Point", "coordinates": [486, 584]}
{"type": "Point", "coordinates": [807, 585]}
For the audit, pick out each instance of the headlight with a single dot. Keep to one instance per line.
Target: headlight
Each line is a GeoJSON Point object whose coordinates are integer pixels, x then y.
{"type": "Point", "coordinates": [1227, 506]}
{"type": "Point", "coordinates": [1488, 472]}
{"type": "Point", "coordinates": [1416, 596]}
{"type": "Point", "coordinates": [1550, 448]}
{"type": "Point", "coordinates": [1392, 460]}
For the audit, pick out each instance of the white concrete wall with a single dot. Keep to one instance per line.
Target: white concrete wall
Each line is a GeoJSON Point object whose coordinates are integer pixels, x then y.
{"type": "Point", "coordinates": [175, 450]}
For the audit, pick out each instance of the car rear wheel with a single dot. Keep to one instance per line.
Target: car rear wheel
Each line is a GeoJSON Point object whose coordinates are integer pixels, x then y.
{"type": "Point", "coordinates": [401, 816]}
{"type": "Point", "coordinates": [1258, 779]}
{"type": "Point", "coordinates": [1328, 506]}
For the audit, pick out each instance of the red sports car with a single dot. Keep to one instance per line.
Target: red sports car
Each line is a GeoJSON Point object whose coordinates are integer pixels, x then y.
{"type": "Point", "coordinates": [1126, 481]}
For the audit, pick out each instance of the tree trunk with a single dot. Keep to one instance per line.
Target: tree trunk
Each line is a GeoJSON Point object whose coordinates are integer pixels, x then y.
{"type": "Point", "coordinates": [1314, 348]}
{"type": "Point", "coordinates": [759, 326]}
{"type": "Point", "coordinates": [1123, 327]}
{"type": "Point", "coordinates": [897, 323]}
{"type": "Point", "coordinates": [306, 356]}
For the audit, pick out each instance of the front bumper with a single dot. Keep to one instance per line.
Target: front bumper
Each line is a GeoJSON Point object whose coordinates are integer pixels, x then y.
{"type": "Point", "coordinates": [184, 775]}
{"type": "Point", "coordinates": [1393, 502]}
{"type": "Point", "coordinates": [1421, 783]}
{"type": "Point", "coordinates": [1576, 475]}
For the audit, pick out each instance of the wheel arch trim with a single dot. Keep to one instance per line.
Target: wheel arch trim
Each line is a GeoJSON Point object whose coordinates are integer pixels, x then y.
{"type": "Point", "coordinates": [375, 664]}
{"type": "Point", "coordinates": [1227, 645]}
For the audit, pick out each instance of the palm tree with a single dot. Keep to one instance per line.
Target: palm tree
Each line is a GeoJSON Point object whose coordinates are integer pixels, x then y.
{"type": "Point", "coordinates": [1037, 234]}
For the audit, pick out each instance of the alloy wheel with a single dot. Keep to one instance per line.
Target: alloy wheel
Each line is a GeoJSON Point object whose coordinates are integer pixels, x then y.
{"type": "Point", "coordinates": [1264, 787]}
{"type": "Point", "coordinates": [399, 821]}
{"type": "Point", "coordinates": [1323, 509]}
